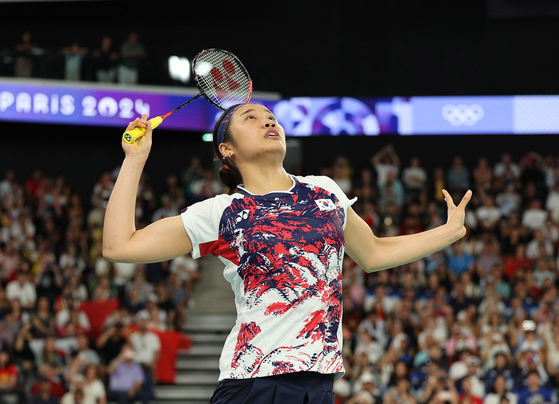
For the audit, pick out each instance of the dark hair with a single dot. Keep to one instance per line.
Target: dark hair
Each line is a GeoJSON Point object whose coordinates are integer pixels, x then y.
{"type": "Point", "coordinates": [229, 174]}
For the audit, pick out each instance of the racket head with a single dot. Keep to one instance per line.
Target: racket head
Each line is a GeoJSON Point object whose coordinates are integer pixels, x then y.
{"type": "Point", "coordinates": [221, 77]}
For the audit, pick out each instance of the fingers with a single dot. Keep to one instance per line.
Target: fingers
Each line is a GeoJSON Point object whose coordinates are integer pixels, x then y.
{"type": "Point", "coordinates": [465, 199]}
{"type": "Point", "coordinates": [138, 122]}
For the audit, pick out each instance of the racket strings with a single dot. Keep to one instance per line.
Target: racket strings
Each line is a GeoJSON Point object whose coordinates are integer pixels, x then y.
{"type": "Point", "coordinates": [222, 78]}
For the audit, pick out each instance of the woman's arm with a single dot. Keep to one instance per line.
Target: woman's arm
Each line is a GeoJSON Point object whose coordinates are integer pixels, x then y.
{"type": "Point", "coordinates": [373, 253]}
{"type": "Point", "coordinates": [160, 241]}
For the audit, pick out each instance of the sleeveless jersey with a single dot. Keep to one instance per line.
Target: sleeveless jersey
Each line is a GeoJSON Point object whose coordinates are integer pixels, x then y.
{"type": "Point", "coordinates": [283, 255]}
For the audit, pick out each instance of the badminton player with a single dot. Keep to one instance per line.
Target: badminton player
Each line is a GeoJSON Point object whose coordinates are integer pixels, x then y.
{"type": "Point", "coordinates": [282, 240]}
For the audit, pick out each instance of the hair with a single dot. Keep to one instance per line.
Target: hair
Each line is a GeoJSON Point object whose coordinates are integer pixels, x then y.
{"type": "Point", "coordinates": [229, 174]}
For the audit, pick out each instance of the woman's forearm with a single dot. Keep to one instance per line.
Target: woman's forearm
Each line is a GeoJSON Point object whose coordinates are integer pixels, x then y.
{"type": "Point", "coordinates": [389, 252]}
{"type": "Point", "coordinates": [119, 223]}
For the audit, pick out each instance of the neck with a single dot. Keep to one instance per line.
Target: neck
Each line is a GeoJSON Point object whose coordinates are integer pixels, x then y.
{"type": "Point", "coordinates": [261, 180]}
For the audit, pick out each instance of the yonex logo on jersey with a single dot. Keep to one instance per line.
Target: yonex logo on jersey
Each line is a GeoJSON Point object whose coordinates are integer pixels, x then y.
{"type": "Point", "coordinates": [325, 204]}
{"type": "Point", "coordinates": [242, 215]}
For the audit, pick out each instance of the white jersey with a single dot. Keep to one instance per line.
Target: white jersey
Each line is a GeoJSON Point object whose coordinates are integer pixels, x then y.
{"type": "Point", "coordinates": [283, 255]}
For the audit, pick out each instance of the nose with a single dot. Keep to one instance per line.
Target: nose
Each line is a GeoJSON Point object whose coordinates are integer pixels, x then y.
{"type": "Point", "coordinates": [268, 124]}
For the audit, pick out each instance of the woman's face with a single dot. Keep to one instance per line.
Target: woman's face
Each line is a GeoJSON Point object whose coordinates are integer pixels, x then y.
{"type": "Point", "coordinates": [256, 133]}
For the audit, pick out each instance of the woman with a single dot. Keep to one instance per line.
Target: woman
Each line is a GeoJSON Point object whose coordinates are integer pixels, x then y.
{"type": "Point", "coordinates": [282, 240]}
{"type": "Point", "coordinates": [44, 324]}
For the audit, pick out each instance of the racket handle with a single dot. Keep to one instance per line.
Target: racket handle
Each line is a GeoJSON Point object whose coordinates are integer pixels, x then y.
{"type": "Point", "coordinates": [132, 135]}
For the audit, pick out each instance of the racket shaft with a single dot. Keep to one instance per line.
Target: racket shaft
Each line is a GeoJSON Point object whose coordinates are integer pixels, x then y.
{"type": "Point", "coordinates": [132, 135]}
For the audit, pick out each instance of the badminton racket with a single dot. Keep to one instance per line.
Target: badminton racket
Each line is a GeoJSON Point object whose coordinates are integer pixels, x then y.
{"type": "Point", "coordinates": [222, 80]}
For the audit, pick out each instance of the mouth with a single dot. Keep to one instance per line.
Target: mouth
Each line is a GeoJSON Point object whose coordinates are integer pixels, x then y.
{"type": "Point", "coordinates": [272, 134]}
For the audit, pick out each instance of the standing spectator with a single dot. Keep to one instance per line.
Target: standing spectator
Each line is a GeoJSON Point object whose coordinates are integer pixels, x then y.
{"type": "Point", "coordinates": [73, 66]}
{"type": "Point", "coordinates": [22, 289]}
{"type": "Point", "coordinates": [23, 63]}
{"type": "Point", "coordinates": [131, 51]}
{"type": "Point", "coordinates": [126, 379]}
{"type": "Point", "coordinates": [106, 59]}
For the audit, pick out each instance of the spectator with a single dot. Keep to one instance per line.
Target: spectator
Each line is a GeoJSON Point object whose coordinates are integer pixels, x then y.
{"type": "Point", "coordinates": [458, 176]}
{"type": "Point", "coordinates": [460, 261]}
{"type": "Point", "coordinates": [126, 379]}
{"type": "Point", "coordinates": [206, 187]}
{"type": "Point", "coordinates": [386, 160]}
{"type": "Point", "coordinates": [500, 391]}
{"type": "Point", "coordinates": [131, 52]}
{"type": "Point", "coordinates": [44, 394]}
{"type": "Point", "coordinates": [147, 348]}
{"type": "Point", "coordinates": [44, 323]}
{"type": "Point", "coordinates": [105, 61]}
{"type": "Point", "coordinates": [483, 174]}
{"type": "Point", "coordinates": [488, 215]}
{"type": "Point", "coordinates": [73, 55]}
{"type": "Point", "coordinates": [22, 289]}
{"type": "Point", "coordinates": [534, 216]}
{"type": "Point", "coordinates": [506, 171]}
{"type": "Point", "coordinates": [23, 63]}
{"type": "Point", "coordinates": [534, 390]}
{"type": "Point", "coordinates": [414, 178]}
{"type": "Point", "coordinates": [508, 200]}
{"type": "Point", "coordinates": [93, 388]}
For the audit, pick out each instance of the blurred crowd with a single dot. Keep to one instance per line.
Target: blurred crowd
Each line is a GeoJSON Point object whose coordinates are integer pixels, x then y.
{"type": "Point", "coordinates": [474, 323]}
{"type": "Point", "coordinates": [52, 268]}
{"type": "Point", "coordinates": [106, 63]}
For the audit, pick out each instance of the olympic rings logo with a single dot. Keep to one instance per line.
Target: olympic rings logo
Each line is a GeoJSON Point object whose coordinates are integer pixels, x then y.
{"type": "Point", "coordinates": [462, 114]}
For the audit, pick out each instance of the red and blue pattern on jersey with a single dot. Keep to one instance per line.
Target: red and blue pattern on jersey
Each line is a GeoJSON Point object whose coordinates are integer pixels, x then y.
{"type": "Point", "coordinates": [287, 248]}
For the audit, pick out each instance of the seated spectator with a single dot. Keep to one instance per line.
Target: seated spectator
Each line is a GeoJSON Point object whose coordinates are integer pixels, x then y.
{"type": "Point", "coordinates": [126, 379]}
{"type": "Point", "coordinates": [22, 289]}
{"type": "Point", "coordinates": [110, 342]}
{"type": "Point", "coordinates": [93, 388]}
{"type": "Point", "coordinates": [43, 322]}
{"type": "Point", "coordinates": [502, 369]}
{"type": "Point", "coordinates": [400, 393]}
{"type": "Point", "coordinates": [534, 216]}
{"type": "Point", "coordinates": [8, 376]}
{"type": "Point", "coordinates": [76, 395]}
{"type": "Point", "coordinates": [459, 261]}
{"type": "Point", "coordinates": [50, 357]}
{"type": "Point", "coordinates": [534, 390]}
{"type": "Point", "coordinates": [467, 396]}
{"type": "Point", "coordinates": [147, 349]}
{"type": "Point", "coordinates": [500, 391]}
{"type": "Point", "coordinates": [533, 247]}
{"type": "Point", "coordinates": [488, 215]}
{"type": "Point", "coordinates": [508, 200]}
{"type": "Point", "coordinates": [44, 394]}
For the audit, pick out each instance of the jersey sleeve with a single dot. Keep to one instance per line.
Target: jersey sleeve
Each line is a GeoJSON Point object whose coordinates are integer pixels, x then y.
{"type": "Point", "coordinates": [201, 222]}
{"type": "Point", "coordinates": [330, 185]}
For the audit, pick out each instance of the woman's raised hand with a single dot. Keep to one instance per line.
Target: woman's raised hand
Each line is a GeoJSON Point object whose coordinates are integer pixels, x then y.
{"type": "Point", "coordinates": [142, 145]}
{"type": "Point", "coordinates": [457, 214]}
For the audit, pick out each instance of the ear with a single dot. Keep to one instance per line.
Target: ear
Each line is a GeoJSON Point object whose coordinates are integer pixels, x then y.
{"type": "Point", "coordinates": [225, 149]}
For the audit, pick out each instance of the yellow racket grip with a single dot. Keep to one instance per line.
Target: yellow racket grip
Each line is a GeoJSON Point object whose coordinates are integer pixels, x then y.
{"type": "Point", "coordinates": [132, 135]}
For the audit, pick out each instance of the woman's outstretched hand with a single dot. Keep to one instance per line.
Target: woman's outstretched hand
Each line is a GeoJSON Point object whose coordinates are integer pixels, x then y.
{"type": "Point", "coordinates": [457, 214]}
{"type": "Point", "coordinates": [142, 145]}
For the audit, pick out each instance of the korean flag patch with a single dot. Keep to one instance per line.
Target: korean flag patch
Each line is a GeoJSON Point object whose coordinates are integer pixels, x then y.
{"type": "Point", "coordinates": [325, 204]}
